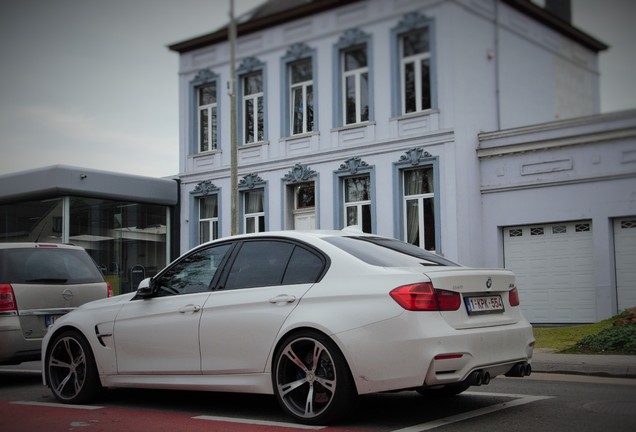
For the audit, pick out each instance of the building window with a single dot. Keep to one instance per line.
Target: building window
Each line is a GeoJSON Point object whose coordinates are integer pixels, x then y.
{"type": "Point", "coordinates": [412, 65]}
{"type": "Point", "coordinates": [253, 126]}
{"type": "Point", "coordinates": [419, 207]}
{"type": "Point", "coordinates": [208, 218]}
{"type": "Point", "coordinates": [355, 192]}
{"type": "Point", "coordinates": [353, 79]}
{"type": "Point", "coordinates": [418, 212]}
{"type": "Point", "coordinates": [253, 202]}
{"type": "Point", "coordinates": [355, 82]}
{"type": "Point", "coordinates": [254, 216]}
{"type": "Point", "coordinates": [204, 120]}
{"type": "Point", "coordinates": [415, 71]}
{"type": "Point", "coordinates": [302, 97]}
{"type": "Point", "coordinates": [205, 208]}
{"type": "Point", "coordinates": [357, 202]}
{"type": "Point", "coordinates": [206, 101]}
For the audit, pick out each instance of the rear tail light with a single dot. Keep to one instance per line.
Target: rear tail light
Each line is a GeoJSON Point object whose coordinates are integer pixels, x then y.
{"type": "Point", "coordinates": [423, 297]}
{"type": "Point", "coordinates": [7, 299]}
{"type": "Point", "coordinates": [109, 288]}
{"type": "Point", "coordinates": [513, 297]}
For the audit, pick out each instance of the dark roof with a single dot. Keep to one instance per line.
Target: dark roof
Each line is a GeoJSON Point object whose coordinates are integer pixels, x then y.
{"type": "Point", "coordinates": [550, 20]}
{"type": "Point", "coordinates": [269, 14]}
{"type": "Point", "coordinates": [275, 12]}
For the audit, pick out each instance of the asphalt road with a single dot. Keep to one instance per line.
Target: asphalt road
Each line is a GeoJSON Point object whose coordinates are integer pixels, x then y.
{"type": "Point", "coordinates": [542, 402]}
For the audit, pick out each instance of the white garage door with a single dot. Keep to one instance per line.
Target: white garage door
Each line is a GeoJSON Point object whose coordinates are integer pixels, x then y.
{"type": "Point", "coordinates": [554, 268]}
{"type": "Point", "coordinates": [625, 250]}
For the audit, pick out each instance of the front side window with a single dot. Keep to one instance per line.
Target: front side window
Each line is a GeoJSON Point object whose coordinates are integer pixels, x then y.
{"type": "Point", "coordinates": [254, 212]}
{"type": "Point", "coordinates": [415, 71]}
{"type": "Point", "coordinates": [207, 118]}
{"type": "Point", "coordinates": [208, 218]}
{"type": "Point", "coordinates": [357, 202]}
{"type": "Point", "coordinates": [419, 207]}
{"type": "Point", "coordinates": [355, 84]}
{"type": "Point", "coordinates": [302, 97]}
{"type": "Point", "coordinates": [193, 273]}
{"type": "Point", "coordinates": [253, 116]}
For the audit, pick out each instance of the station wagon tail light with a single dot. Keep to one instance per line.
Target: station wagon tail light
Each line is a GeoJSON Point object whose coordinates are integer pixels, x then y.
{"type": "Point", "coordinates": [423, 297]}
{"type": "Point", "coordinates": [109, 288]}
{"type": "Point", "coordinates": [7, 299]}
{"type": "Point", "coordinates": [513, 297]}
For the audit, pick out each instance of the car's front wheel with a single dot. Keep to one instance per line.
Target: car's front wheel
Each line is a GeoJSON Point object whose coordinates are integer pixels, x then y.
{"type": "Point", "coordinates": [311, 379]}
{"type": "Point", "coordinates": [71, 369]}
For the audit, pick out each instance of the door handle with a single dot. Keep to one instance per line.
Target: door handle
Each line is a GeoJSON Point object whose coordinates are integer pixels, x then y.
{"type": "Point", "coordinates": [283, 298]}
{"type": "Point", "coordinates": [190, 308]}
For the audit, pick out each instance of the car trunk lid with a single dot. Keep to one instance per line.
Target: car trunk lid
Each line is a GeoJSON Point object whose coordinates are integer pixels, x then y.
{"type": "Point", "coordinates": [484, 296]}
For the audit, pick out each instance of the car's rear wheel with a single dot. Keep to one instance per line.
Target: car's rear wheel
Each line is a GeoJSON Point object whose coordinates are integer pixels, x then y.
{"type": "Point", "coordinates": [71, 369]}
{"type": "Point", "coordinates": [311, 379]}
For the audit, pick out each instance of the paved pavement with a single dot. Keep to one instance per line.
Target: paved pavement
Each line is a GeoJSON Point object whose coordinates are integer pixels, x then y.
{"type": "Point", "coordinates": [619, 366]}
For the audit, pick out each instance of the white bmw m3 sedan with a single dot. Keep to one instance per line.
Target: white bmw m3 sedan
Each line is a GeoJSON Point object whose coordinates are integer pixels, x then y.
{"type": "Point", "coordinates": [314, 318]}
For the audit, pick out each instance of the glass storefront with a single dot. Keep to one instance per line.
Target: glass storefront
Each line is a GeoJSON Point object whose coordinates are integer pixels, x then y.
{"type": "Point", "coordinates": [126, 240]}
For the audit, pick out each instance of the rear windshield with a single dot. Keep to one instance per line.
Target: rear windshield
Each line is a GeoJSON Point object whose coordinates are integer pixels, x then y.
{"type": "Point", "coordinates": [385, 252]}
{"type": "Point", "coordinates": [47, 266]}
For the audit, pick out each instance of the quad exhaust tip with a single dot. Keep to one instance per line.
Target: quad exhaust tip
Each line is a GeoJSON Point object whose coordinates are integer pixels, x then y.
{"type": "Point", "coordinates": [479, 377]}
{"type": "Point", "coordinates": [521, 369]}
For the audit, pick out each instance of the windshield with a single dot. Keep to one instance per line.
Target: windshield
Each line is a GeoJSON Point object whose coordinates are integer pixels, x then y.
{"type": "Point", "coordinates": [386, 252]}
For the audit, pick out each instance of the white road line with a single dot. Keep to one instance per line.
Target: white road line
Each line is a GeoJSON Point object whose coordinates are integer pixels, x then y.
{"type": "Point", "coordinates": [258, 422]}
{"type": "Point", "coordinates": [522, 400]}
{"type": "Point", "coordinates": [22, 371]}
{"type": "Point", "coordinates": [58, 405]}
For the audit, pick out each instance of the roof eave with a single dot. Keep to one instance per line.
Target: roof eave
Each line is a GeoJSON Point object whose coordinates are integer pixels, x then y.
{"type": "Point", "coordinates": [255, 25]}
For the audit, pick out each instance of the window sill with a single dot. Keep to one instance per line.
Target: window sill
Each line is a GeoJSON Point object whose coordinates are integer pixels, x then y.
{"type": "Point", "coordinates": [411, 115]}
{"type": "Point", "coordinates": [252, 145]}
{"type": "Point", "coordinates": [207, 153]}
{"type": "Point", "coordinates": [299, 136]}
{"type": "Point", "coordinates": [353, 126]}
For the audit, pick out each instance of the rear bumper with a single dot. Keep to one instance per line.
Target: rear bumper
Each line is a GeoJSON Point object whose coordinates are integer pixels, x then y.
{"type": "Point", "coordinates": [14, 347]}
{"type": "Point", "coordinates": [419, 349]}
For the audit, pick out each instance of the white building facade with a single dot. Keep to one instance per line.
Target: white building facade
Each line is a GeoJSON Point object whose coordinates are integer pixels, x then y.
{"type": "Point", "coordinates": [377, 113]}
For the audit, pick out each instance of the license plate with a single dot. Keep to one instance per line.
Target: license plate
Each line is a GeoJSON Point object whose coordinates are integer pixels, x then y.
{"type": "Point", "coordinates": [50, 319]}
{"type": "Point", "coordinates": [484, 305]}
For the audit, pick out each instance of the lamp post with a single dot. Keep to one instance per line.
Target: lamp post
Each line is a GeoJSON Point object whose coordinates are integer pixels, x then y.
{"type": "Point", "coordinates": [233, 137]}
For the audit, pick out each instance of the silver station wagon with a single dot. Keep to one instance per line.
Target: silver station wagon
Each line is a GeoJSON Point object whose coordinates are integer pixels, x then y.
{"type": "Point", "coordinates": [38, 284]}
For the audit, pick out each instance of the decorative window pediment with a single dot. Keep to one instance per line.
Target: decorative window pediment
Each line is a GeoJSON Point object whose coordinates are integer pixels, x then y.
{"type": "Point", "coordinates": [412, 21]}
{"type": "Point", "coordinates": [204, 188]}
{"type": "Point", "coordinates": [353, 37]}
{"type": "Point", "coordinates": [299, 173]}
{"type": "Point", "coordinates": [297, 51]}
{"type": "Point", "coordinates": [352, 165]}
{"type": "Point", "coordinates": [250, 64]}
{"type": "Point", "coordinates": [251, 181]}
{"type": "Point", "coordinates": [204, 76]}
{"type": "Point", "coordinates": [415, 156]}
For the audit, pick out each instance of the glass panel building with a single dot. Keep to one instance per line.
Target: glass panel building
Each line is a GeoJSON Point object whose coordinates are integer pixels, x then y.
{"type": "Point", "coordinates": [123, 221]}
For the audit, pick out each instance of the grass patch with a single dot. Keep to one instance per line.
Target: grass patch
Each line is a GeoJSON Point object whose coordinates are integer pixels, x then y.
{"type": "Point", "coordinates": [600, 337]}
{"type": "Point", "coordinates": [565, 337]}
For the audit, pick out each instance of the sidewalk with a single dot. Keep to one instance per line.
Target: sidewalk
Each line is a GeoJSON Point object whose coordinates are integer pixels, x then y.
{"type": "Point", "coordinates": [618, 366]}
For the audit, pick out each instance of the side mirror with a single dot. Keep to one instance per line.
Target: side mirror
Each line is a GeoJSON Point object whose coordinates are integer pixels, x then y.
{"type": "Point", "coordinates": [144, 290]}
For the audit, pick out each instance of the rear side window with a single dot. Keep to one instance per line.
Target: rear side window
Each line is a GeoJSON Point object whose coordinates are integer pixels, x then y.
{"type": "Point", "coordinates": [270, 263]}
{"type": "Point", "coordinates": [383, 252]}
{"type": "Point", "coordinates": [47, 265]}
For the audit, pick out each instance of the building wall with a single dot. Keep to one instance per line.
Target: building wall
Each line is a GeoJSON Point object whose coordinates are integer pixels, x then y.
{"type": "Point", "coordinates": [581, 169]}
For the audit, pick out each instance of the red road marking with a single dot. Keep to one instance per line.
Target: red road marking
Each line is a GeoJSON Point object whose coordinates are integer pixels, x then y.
{"type": "Point", "coordinates": [28, 418]}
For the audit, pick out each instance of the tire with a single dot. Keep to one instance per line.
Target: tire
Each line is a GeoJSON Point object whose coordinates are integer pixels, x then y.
{"type": "Point", "coordinates": [311, 379]}
{"type": "Point", "coordinates": [444, 391]}
{"type": "Point", "coordinates": [71, 371]}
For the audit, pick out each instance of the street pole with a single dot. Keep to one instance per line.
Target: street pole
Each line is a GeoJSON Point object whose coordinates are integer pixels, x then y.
{"type": "Point", "coordinates": [233, 137]}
